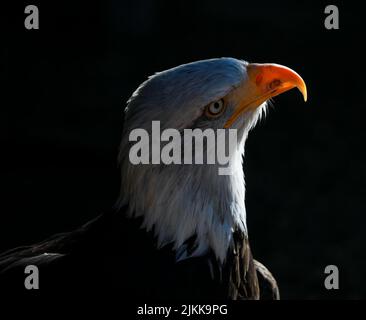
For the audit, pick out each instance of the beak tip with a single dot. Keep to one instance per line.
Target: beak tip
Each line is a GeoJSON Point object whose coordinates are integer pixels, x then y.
{"type": "Point", "coordinates": [302, 88]}
{"type": "Point", "coordinates": [304, 94]}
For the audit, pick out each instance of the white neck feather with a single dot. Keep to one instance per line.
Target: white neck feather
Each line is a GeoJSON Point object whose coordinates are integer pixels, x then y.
{"type": "Point", "coordinates": [180, 201]}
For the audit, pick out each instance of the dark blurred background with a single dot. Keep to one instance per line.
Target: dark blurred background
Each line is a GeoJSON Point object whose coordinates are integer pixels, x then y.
{"type": "Point", "coordinates": [66, 85]}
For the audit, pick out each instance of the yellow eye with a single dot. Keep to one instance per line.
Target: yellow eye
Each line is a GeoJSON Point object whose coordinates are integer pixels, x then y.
{"type": "Point", "coordinates": [215, 109]}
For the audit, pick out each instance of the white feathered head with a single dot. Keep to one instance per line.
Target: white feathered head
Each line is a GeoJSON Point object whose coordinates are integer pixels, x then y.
{"type": "Point", "coordinates": [181, 201]}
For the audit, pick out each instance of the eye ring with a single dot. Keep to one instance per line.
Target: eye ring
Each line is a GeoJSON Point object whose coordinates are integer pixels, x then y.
{"type": "Point", "coordinates": [215, 108]}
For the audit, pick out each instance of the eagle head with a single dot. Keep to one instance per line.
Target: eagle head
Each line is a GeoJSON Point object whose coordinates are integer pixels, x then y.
{"type": "Point", "coordinates": [187, 201]}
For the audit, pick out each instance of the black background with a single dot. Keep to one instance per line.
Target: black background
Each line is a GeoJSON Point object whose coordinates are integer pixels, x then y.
{"type": "Point", "coordinates": [66, 85]}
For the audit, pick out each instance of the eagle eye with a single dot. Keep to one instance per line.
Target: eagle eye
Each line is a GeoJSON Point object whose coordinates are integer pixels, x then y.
{"type": "Point", "coordinates": [215, 109]}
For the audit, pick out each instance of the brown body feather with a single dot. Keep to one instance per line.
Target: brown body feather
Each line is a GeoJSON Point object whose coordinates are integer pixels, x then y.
{"type": "Point", "coordinates": [111, 253]}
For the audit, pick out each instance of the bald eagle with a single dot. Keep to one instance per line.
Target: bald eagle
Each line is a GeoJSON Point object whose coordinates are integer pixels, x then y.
{"type": "Point", "coordinates": [176, 231]}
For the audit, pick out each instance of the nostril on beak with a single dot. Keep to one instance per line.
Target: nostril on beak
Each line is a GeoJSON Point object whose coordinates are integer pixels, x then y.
{"type": "Point", "coordinates": [274, 84]}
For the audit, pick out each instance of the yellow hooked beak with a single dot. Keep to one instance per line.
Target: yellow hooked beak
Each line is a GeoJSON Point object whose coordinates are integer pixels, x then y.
{"type": "Point", "coordinates": [264, 82]}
